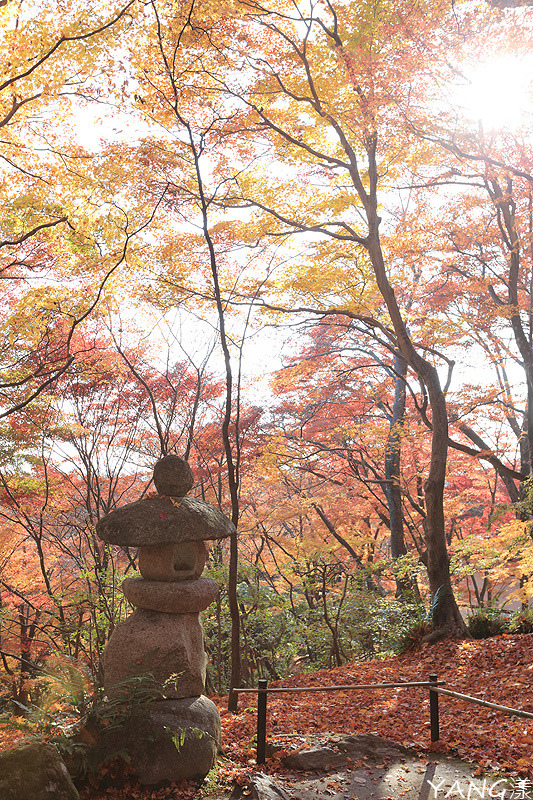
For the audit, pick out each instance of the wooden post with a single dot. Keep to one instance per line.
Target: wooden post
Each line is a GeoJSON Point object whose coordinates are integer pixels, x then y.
{"type": "Point", "coordinates": [262, 691]}
{"type": "Point", "coordinates": [434, 711]}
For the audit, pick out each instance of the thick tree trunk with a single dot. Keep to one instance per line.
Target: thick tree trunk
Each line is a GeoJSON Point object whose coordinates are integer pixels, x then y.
{"type": "Point", "coordinates": [446, 617]}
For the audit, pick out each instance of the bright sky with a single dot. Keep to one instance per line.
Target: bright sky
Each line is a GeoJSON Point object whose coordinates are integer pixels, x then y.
{"type": "Point", "coordinates": [500, 92]}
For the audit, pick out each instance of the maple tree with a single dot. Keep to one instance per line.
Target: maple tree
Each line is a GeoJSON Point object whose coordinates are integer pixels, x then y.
{"type": "Point", "coordinates": [313, 45]}
{"type": "Point", "coordinates": [49, 229]}
{"type": "Point", "coordinates": [343, 412]}
{"type": "Point", "coordinates": [181, 176]}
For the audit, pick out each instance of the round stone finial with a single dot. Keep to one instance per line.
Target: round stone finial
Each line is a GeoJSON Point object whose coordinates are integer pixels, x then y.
{"type": "Point", "coordinates": [173, 476]}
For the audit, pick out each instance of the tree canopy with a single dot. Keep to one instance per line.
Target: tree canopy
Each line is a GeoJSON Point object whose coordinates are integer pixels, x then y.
{"type": "Point", "coordinates": [271, 237]}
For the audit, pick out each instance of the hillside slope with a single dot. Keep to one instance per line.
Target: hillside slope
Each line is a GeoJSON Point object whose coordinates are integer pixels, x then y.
{"type": "Point", "coordinates": [499, 669]}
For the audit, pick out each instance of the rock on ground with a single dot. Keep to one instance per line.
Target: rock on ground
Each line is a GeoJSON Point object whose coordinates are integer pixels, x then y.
{"type": "Point", "coordinates": [35, 772]}
{"type": "Point", "coordinates": [168, 740]}
{"type": "Point", "coordinates": [316, 758]}
{"type": "Point", "coordinates": [335, 753]}
{"type": "Point", "coordinates": [260, 787]}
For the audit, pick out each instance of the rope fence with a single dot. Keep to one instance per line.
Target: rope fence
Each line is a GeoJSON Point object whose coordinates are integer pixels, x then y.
{"type": "Point", "coordinates": [432, 684]}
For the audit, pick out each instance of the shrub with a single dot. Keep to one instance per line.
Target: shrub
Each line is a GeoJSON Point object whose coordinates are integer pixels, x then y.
{"type": "Point", "coordinates": [388, 626]}
{"type": "Point", "coordinates": [412, 637]}
{"type": "Point", "coordinates": [488, 621]}
{"type": "Point", "coordinates": [71, 715]}
{"type": "Point", "coordinates": [522, 621]}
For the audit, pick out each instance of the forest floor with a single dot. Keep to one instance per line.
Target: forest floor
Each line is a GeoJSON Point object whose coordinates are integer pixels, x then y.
{"type": "Point", "coordinates": [499, 669]}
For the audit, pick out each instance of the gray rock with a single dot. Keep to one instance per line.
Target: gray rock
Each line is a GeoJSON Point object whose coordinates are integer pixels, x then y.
{"type": "Point", "coordinates": [185, 597]}
{"type": "Point", "coordinates": [173, 476]}
{"type": "Point", "coordinates": [260, 787]}
{"type": "Point", "coordinates": [160, 520]}
{"type": "Point", "coordinates": [35, 772]}
{"type": "Point", "coordinates": [316, 758]}
{"type": "Point", "coordinates": [168, 740]}
{"type": "Point", "coordinates": [370, 746]}
{"type": "Point", "coordinates": [158, 644]}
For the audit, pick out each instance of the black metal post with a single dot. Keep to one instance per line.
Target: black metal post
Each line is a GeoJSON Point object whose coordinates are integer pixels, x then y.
{"type": "Point", "coordinates": [434, 711]}
{"type": "Point", "coordinates": [262, 690]}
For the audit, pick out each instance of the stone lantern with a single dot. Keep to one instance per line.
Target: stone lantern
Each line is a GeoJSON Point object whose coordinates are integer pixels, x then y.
{"type": "Point", "coordinates": [178, 735]}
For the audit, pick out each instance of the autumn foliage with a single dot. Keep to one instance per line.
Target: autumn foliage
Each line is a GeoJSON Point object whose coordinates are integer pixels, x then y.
{"type": "Point", "coordinates": [272, 238]}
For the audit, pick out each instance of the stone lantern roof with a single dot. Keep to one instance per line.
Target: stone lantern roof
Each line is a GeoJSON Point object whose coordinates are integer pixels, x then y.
{"type": "Point", "coordinates": [170, 518]}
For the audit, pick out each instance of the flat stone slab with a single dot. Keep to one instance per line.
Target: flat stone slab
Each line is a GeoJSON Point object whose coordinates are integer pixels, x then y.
{"type": "Point", "coordinates": [381, 770]}
{"type": "Point", "coordinates": [316, 758]}
{"type": "Point", "coordinates": [160, 520]}
{"type": "Point", "coordinates": [180, 597]}
{"type": "Point", "coordinates": [368, 745]}
{"type": "Point", "coordinates": [259, 787]}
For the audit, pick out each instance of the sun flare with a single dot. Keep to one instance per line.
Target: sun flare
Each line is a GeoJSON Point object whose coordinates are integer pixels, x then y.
{"type": "Point", "coordinates": [499, 92]}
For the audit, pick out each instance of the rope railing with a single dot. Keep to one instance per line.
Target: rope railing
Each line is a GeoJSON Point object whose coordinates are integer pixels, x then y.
{"type": "Point", "coordinates": [291, 689]}
{"type": "Point", "coordinates": [432, 684]}
{"type": "Point", "coordinates": [514, 712]}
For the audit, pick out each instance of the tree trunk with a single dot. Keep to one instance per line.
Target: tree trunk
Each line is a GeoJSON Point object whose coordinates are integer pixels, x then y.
{"type": "Point", "coordinates": [405, 586]}
{"type": "Point", "coordinates": [446, 618]}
